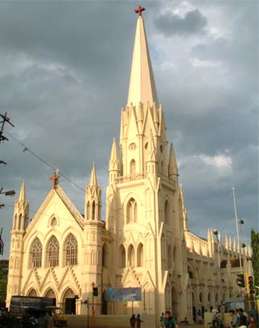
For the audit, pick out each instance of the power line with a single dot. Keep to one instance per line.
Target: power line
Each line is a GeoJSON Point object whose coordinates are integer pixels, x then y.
{"type": "Point", "coordinates": [44, 161]}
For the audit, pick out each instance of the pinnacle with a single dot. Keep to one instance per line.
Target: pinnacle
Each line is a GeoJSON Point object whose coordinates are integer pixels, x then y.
{"type": "Point", "coordinates": [93, 177]}
{"type": "Point", "coordinates": [114, 154]}
{"type": "Point", "coordinates": [142, 86]}
{"type": "Point", "coordinates": [22, 195]}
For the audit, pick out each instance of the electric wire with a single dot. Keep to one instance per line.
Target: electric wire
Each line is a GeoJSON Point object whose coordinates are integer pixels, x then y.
{"type": "Point", "coordinates": [43, 161]}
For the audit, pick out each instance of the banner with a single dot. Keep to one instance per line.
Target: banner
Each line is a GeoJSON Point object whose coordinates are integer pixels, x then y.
{"type": "Point", "coordinates": [123, 294]}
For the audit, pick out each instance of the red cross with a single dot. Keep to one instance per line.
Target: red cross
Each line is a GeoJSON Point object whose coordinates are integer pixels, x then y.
{"type": "Point", "coordinates": [54, 178]}
{"type": "Point", "coordinates": [139, 10]}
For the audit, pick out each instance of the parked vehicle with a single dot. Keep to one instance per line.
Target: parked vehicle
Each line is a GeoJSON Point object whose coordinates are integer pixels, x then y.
{"type": "Point", "coordinates": [20, 305]}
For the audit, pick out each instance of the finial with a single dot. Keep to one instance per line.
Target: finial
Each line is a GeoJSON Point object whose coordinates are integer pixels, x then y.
{"type": "Point", "coordinates": [139, 10]}
{"type": "Point", "coordinates": [55, 179]}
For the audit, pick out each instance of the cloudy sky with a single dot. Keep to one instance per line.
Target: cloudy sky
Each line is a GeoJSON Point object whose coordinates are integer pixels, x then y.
{"type": "Point", "coordinates": [64, 72]}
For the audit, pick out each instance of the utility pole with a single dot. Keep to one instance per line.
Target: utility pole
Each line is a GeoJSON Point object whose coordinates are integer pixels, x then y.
{"type": "Point", "coordinates": [237, 229]}
{"type": "Point", "coordinates": [4, 120]}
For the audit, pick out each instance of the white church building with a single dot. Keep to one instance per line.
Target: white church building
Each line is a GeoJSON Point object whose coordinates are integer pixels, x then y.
{"type": "Point", "coordinates": [144, 240]}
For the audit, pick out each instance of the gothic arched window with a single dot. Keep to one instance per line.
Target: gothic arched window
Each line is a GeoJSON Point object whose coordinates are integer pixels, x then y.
{"type": "Point", "coordinates": [53, 252]}
{"type": "Point", "coordinates": [36, 253]}
{"type": "Point", "coordinates": [140, 255]}
{"type": "Point", "coordinates": [93, 210]}
{"type": "Point", "coordinates": [132, 211]}
{"type": "Point", "coordinates": [15, 222]}
{"type": "Point", "coordinates": [70, 250]}
{"type": "Point", "coordinates": [122, 257]}
{"type": "Point", "coordinates": [132, 168]}
{"type": "Point", "coordinates": [131, 256]}
{"type": "Point", "coordinates": [88, 211]}
{"type": "Point", "coordinates": [166, 211]}
{"type": "Point", "coordinates": [20, 222]}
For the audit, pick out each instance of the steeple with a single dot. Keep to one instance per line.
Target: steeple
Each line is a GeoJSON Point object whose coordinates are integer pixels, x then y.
{"type": "Point", "coordinates": [93, 198]}
{"type": "Point", "coordinates": [21, 211]}
{"type": "Point", "coordinates": [142, 86]}
{"type": "Point", "coordinates": [93, 177]}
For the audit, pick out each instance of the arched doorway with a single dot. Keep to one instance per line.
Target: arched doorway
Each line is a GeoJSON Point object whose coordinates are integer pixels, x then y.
{"type": "Point", "coordinates": [50, 294]}
{"type": "Point", "coordinates": [69, 302]}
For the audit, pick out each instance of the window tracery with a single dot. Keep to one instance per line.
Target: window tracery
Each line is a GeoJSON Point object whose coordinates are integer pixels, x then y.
{"type": "Point", "coordinates": [53, 252]}
{"type": "Point", "coordinates": [70, 250]}
{"type": "Point", "coordinates": [36, 253]}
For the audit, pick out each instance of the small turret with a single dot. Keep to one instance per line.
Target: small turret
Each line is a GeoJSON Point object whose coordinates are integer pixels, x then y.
{"type": "Point", "coordinates": [172, 167]}
{"type": "Point", "coordinates": [93, 198]}
{"type": "Point", "coordinates": [20, 223]}
{"type": "Point", "coordinates": [21, 211]}
{"type": "Point", "coordinates": [114, 163]}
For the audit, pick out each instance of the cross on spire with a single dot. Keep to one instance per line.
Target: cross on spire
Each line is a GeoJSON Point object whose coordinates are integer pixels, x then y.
{"type": "Point", "coordinates": [55, 179]}
{"type": "Point", "coordinates": [139, 10]}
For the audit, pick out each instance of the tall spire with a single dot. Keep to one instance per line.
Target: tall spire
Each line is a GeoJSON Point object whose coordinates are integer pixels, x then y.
{"type": "Point", "coordinates": [93, 177]}
{"type": "Point", "coordinates": [142, 86]}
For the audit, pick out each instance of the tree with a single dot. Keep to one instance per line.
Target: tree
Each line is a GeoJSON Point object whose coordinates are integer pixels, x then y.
{"type": "Point", "coordinates": [255, 256]}
{"type": "Point", "coordinates": [3, 284]}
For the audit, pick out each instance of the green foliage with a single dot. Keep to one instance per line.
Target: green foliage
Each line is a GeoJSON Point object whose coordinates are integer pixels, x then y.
{"type": "Point", "coordinates": [255, 257]}
{"type": "Point", "coordinates": [3, 285]}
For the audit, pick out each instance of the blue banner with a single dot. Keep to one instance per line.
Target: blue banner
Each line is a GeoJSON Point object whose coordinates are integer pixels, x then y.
{"type": "Point", "coordinates": [123, 294]}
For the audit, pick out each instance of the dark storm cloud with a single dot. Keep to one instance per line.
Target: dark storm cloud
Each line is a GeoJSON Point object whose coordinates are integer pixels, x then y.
{"type": "Point", "coordinates": [192, 22]}
{"type": "Point", "coordinates": [64, 71]}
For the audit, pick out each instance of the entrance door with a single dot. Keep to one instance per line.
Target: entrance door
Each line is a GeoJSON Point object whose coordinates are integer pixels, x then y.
{"type": "Point", "coordinates": [70, 305]}
{"type": "Point", "coordinates": [69, 302]}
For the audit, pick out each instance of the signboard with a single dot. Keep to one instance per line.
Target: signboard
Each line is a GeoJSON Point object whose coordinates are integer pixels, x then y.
{"type": "Point", "coordinates": [123, 294]}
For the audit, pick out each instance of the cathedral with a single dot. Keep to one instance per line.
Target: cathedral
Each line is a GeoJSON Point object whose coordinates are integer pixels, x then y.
{"type": "Point", "coordinates": [144, 240]}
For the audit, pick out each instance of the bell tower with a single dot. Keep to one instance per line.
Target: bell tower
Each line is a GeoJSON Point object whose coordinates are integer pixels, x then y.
{"type": "Point", "coordinates": [144, 211]}
{"type": "Point", "coordinates": [20, 223]}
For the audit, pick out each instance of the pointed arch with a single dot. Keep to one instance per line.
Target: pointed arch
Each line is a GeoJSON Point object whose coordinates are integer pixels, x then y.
{"type": "Point", "coordinates": [131, 256]}
{"type": "Point", "coordinates": [132, 211]}
{"type": "Point", "coordinates": [32, 292]}
{"type": "Point", "coordinates": [133, 168]}
{"type": "Point", "coordinates": [50, 294]}
{"type": "Point", "coordinates": [36, 253]}
{"type": "Point", "coordinates": [88, 210]}
{"type": "Point", "coordinates": [15, 222]}
{"type": "Point", "coordinates": [52, 252]}
{"type": "Point", "coordinates": [70, 250]}
{"type": "Point", "coordinates": [20, 222]}
{"type": "Point", "coordinates": [140, 257]}
{"type": "Point", "coordinates": [122, 256]}
{"type": "Point", "coordinates": [93, 210]}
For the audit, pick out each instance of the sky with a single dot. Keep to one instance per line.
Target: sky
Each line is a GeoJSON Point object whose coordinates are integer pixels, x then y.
{"type": "Point", "coordinates": [64, 75]}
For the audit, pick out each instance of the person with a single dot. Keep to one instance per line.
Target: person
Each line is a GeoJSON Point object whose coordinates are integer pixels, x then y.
{"type": "Point", "coordinates": [242, 319]}
{"type": "Point", "coordinates": [169, 320]}
{"type": "Point", "coordinates": [132, 321]}
{"type": "Point", "coordinates": [162, 320]}
{"type": "Point", "coordinates": [138, 321]}
{"type": "Point", "coordinates": [251, 322]}
{"type": "Point", "coordinates": [199, 317]}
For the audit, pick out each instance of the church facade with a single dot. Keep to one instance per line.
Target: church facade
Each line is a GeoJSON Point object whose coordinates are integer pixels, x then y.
{"type": "Point", "coordinates": [144, 240]}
